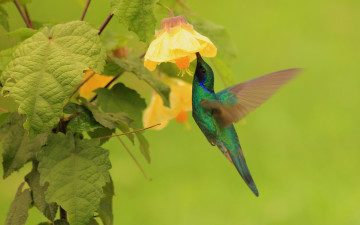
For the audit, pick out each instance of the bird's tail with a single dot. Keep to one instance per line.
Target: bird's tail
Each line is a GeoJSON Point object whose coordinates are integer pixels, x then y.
{"type": "Point", "coordinates": [241, 166]}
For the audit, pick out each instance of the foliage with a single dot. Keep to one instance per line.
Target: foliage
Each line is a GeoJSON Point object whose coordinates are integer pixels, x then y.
{"type": "Point", "coordinates": [54, 126]}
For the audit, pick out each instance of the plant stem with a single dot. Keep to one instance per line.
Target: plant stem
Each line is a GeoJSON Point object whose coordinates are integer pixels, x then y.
{"type": "Point", "coordinates": [105, 23]}
{"type": "Point", "coordinates": [82, 83]}
{"type": "Point", "coordinates": [130, 132]}
{"type": "Point", "coordinates": [107, 85]}
{"type": "Point", "coordinates": [63, 214]}
{"type": "Point", "coordinates": [85, 10]}
{"type": "Point", "coordinates": [4, 110]}
{"type": "Point", "coordinates": [22, 14]}
{"type": "Point", "coordinates": [167, 8]}
{"type": "Point", "coordinates": [28, 16]}
{"type": "Point", "coordinates": [133, 157]}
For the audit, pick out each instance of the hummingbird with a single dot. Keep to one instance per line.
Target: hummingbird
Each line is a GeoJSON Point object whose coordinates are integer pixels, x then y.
{"type": "Point", "coordinates": [215, 113]}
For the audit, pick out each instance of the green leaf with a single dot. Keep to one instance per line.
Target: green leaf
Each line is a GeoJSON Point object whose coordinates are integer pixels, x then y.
{"type": "Point", "coordinates": [4, 17]}
{"type": "Point", "coordinates": [38, 194]}
{"type": "Point", "coordinates": [109, 120]}
{"type": "Point", "coordinates": [137, 15]}
{"type": "Point", "coordinates": [136, 66]}
{"type": "Point", "coordinates": [122, 99]}
{"type": "Point", "coordinates": [53, 59]}
{"type": "Point", "coordinates": [93, 222]}
{"type": "Point", "coordinates": [224, 71]}
{"type": "Point", "coordinates": [144, 146]}
{"type": "Point", "coordinates": [25, 1]}
{"type": "Point", "coordinates": [61, 222]}
{"type": "Point", "coordinates": [45, 223]}
{"type": "Point", "coordinates": [112, 69]}
{"type": "Point", "coordinates": [3, 117]}
{"type": "Point", "coordinates": [22, 33]}
{"type": "Point", "coordinates": [4, 1]}
{"type": "Point", "coordinates": [17, 146]}
{"type": "Point", "coordinates": [18, 211]}
{"type": "Point", "coordinates": [101, 132]}
{"type": "Point", "coordinates": [105, 210]}
{"type": "Point", "coordinates": [76, 171]}
{"type": "Point", "coordinates": [112, 40]}
{"type": "Point", "coordinates": [5, 58]}
{"type": "Point", "coordinates": [83, 121]}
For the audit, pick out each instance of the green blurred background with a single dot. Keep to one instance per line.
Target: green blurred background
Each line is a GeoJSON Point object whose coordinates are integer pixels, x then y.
{"type": "Point", "coordinates": [302, 146]}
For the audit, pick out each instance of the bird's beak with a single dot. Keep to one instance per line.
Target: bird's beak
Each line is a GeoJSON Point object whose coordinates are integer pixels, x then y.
{"type": "Point", "coordinates": [198, 56]}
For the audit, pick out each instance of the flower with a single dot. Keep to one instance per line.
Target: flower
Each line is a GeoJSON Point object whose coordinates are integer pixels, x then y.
{"type": "Point", "coordinates": [95, 82]}
{"type": "Point", "coordinates": [180, 103]}
{"type": "Point", "coordinates": [177, 42]}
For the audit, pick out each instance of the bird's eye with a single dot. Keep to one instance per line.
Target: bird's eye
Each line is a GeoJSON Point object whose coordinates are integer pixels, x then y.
{"type": "Point", "coordinates": [203, 71]}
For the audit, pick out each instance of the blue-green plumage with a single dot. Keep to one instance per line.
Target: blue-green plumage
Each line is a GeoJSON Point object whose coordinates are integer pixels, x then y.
{"type": "Point", "coordinates": [215, 113]}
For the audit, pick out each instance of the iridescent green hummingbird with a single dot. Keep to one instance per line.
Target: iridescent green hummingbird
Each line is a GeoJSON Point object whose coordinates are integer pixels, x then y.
{"type": "Point", "coordinates": [216, 113]}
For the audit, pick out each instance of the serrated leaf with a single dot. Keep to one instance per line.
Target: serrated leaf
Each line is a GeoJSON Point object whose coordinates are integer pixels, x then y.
{"type": "Point", "coordinates": [122, 99]}
{"type": "Point", "coordinates": [105, 210]}
{"type": "Point", "coordinates": [144, 146]}
{"type": "Point", "coordinates": [18, 211]}
{"type": "Point", "coordinates": [17, 146]}
{"type": "Point", "coordinates": [22, 33]}
{"type": "Point", "coordinates": [137, 15]}
{"type": "Point", "coordinates": [76, 171]}
{"type": "Point", "coordinates": [53, 59]}
{"type": "Point", "coordinates": [136, 66]}
{"type": "Point", "coordinates": [4, 17]}
{"type": "Point", "coordinates": [38, 194]}
{"type": "Point", "coordinates": [109, 120]}
{"type": "Point", "coordinates": [224, 71]}
{"type": "Point", "coordinates": [83, 121]}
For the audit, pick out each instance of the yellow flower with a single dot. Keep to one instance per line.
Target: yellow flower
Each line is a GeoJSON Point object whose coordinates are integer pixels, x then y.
{"type": "Point", "coordinates": [177, 42]}
{"type": "Point", "coordinates": [180, 103]}
{"type": "Point", "coordinates": [95, 82]}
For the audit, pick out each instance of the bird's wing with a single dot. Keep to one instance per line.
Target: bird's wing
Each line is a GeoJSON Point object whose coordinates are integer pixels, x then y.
{"type": "Point", "coordinates": [235, 102]}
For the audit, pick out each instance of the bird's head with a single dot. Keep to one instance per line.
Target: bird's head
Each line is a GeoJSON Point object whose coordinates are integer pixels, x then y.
{"type": "Point", "coordinates": [204, 73]}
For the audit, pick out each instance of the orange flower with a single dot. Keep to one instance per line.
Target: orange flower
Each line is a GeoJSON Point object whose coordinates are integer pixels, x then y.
{"type": "Point", "coordinates": [177, 42]}
{"type": "Point", "coordinates": [180, 103]}
{"type": "Point", "coordinates": [95, 82]}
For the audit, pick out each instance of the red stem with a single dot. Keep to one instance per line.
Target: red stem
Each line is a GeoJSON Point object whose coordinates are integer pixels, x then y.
{"type": "Point", "coordinates": [85, 10]}
{"type": "Point", "coordinates": [22, 14]}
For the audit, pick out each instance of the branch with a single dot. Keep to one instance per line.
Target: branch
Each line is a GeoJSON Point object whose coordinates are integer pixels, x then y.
{"type": "Point", "coordinates": [85, 10]}
{"type": "Point", "coordinates": [107, 85]}
{"type": "Point", "coordinates": [105, 23]}
{"type": "Point", "coordinates": [133, 157]}
{"type": "Point", "coordinates": [28, 16]}
{"type": "Point", "coordinates": [130, 132]}
{"type": "Point", "coordinates": [4, 110]}
{"type": "Point", "coordinates": [82, 83]}
{"type": "Point", "coordinates": [22, 14]}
